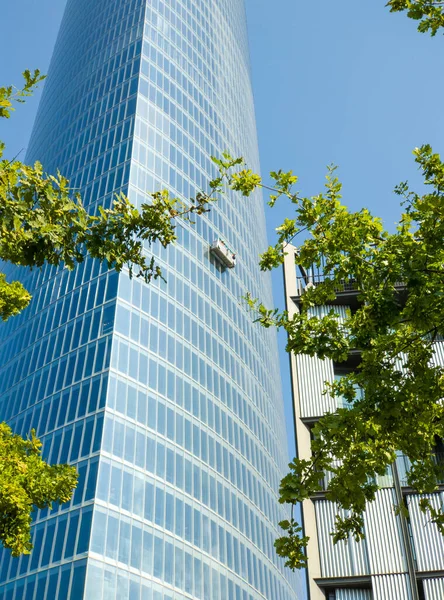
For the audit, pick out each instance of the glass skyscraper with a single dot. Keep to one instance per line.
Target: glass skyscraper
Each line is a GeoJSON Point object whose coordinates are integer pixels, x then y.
{"type": "Point", "coordinates": [165, 396]}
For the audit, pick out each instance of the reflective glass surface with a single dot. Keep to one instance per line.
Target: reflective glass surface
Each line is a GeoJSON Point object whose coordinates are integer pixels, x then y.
{"type": "Point", "coordinates": [166, 396]}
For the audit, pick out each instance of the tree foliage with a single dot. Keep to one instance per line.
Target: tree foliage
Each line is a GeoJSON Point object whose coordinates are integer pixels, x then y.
{"type": "Point", "coordinates": [27, 482]}
{"type": "Point", "coordinates": [395, 396]}
{"type": "Point", "coordinates": [429, 13]}
{"type": "Point", "coordinates": [42, 221]}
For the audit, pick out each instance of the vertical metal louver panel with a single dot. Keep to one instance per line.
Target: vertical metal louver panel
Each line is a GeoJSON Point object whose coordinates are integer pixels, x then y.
{"type": "Point", "coordinates": [351, 594]}
{"type": "Point", "coordinates": [428, 542]}
{"type": "Point", "coordinates": [439, 354]}
{"type": "Point", "coordinates": [322, 311]}
{"type": "Point", "coordinates": [391, 587]}
{"type": "Point", "coordinates": [341, 559]}
{"type": "Point", "coordinates": [403, 465]}
{"type": "Point", "coordinates": [383, 531]}
{"type": "Point", "coordinates": [312, 373]}
{"type": "Point", "coordinates": [434, 588]}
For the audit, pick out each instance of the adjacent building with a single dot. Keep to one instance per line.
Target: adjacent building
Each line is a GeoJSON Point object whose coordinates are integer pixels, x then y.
{"type": "Point", "coordinates": [165, 396]}
{"type": "Point", "coordinates": [400, 558]}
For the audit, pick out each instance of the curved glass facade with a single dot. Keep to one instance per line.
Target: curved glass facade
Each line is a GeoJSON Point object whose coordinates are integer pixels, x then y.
{"type": "Point", "coordinates": [166, 396]}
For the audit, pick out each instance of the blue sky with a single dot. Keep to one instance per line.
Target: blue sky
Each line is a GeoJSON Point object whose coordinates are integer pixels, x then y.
{"type": "Point", "coordinates": [342, 82]}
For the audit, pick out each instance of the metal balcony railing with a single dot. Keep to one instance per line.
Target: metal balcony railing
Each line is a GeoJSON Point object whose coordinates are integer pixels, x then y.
{"type": "Point", "coordinates": [316, 275]}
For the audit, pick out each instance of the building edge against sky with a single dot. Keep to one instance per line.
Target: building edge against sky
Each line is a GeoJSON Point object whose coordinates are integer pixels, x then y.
{"type": "Point", "coordinates": [400, 559]}
{"type": "Point", "coordinates": [165, 396]}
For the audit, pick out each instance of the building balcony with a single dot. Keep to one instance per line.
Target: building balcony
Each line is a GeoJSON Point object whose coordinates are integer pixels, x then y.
{"type": "Point", "coordinates": [346, 291]}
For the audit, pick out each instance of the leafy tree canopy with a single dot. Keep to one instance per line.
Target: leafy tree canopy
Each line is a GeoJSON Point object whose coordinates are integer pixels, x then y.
{"type": "Point", "coordinates": [41, 221]}
{"type": "Point", "coordinates": [395, 395]}
{"type": "Point", "coordinates": [27, 482]}
{"type": "Point", "coordinates": [429, 13]}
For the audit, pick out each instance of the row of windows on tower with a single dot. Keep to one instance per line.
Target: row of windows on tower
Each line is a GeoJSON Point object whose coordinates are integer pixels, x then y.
{"type": "Point", "coordinates": [165, 458]}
